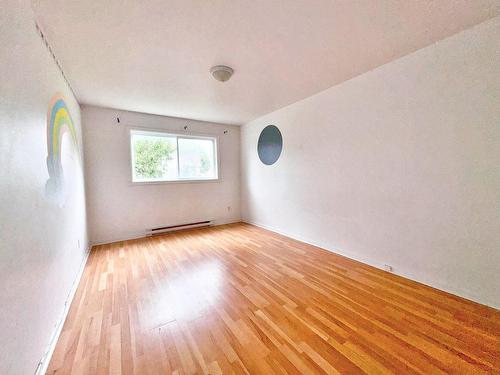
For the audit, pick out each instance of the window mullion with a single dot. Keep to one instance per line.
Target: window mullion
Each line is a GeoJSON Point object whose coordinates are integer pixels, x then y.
{"type": "Point", "coordinates": [178, 161]}
{"type": "Point", "coordinates": [215, 160]}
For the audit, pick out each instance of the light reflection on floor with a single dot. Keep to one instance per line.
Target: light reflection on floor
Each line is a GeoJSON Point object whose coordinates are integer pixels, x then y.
{"type": "Point", "coordinates": [186, 294]}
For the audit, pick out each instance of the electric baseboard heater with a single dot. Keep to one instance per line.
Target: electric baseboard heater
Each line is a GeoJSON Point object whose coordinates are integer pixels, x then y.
{"type": "Point", "coordinates": [172, 228]}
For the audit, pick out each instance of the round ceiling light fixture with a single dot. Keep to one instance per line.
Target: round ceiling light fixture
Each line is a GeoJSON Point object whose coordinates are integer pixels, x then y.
{"type": "Point", "coordinates": [221, 73]}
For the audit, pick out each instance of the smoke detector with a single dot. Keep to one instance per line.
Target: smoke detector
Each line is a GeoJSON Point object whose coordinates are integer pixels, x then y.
{"type": "Point", "coordinates": [221, 73]}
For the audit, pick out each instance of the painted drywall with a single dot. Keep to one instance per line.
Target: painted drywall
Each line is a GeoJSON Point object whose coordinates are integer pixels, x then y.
{"type": "Point", "coordinates": [398, 166]}
{"type": "Point", "coordinates": [118, 209]}
{"type": "Point", "coordinates": [43, 238]}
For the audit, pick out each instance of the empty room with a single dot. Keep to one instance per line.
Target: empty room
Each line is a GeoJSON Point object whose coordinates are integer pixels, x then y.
{"type": "Point", "coordinates": [249, 187]}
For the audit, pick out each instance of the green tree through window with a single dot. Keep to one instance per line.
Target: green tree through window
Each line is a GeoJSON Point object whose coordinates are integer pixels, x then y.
{"type": "Point", "coordinates": [151, 156]}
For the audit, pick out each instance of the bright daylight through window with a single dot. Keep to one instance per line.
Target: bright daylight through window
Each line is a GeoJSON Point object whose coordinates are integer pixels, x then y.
{"type": "Point", "coordinates": [158, 156]}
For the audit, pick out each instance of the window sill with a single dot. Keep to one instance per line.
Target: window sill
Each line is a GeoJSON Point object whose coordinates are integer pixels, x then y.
{"type": "Point", "coordinates": [207, 180]}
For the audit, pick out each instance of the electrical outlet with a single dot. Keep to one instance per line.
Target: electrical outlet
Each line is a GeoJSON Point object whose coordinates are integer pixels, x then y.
{"type": "Point", "coordinates": [229, 208]}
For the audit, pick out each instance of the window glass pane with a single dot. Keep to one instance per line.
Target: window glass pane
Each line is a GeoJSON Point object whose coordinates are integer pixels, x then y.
{"type": "Point", "coordinates": [154, 157]}
{"type": "Point", "coordinates": [197, 158]}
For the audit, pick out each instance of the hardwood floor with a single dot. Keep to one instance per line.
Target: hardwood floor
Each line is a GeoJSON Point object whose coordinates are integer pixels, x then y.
{"type": "Point", "coordinates": [237, 299]}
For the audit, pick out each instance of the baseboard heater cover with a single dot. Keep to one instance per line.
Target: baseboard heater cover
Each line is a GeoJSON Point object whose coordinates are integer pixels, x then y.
{"type": "Point", "coordinates": [172, 228]}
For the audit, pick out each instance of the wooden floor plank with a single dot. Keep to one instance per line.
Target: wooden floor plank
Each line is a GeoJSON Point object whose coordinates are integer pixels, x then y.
{"type": "Point", "coordinates": [237, 299]}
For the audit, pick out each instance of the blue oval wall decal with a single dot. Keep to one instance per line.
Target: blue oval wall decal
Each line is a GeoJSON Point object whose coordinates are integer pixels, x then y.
{"type": "Point", "coordinates": [269, 145]}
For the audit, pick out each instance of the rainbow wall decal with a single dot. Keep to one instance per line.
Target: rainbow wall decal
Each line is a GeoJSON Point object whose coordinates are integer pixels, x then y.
{"type": "Point", "coordinates": [59, 121]}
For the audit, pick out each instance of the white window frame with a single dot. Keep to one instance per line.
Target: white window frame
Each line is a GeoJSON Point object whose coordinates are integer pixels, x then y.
{"type": "Point", "coordinates": [177, 135]}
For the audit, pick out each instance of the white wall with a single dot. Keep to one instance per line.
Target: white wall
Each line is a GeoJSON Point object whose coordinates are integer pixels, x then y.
{"type": "Point", "coordinates": [42, 243]}
{"type": "Point", "coordinates": [398, 166]}
{"type": "Point", "coordinates": [118, 209]}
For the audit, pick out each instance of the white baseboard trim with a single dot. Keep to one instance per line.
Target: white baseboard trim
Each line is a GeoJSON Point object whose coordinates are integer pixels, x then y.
{"type": "Point", "coordinates": [136, 235]}
{"type": "Point", "coordinates": [400, 271]}
{"type": "Point", "coordinates": [45, 360]}
{"type": "Point", "coordinates": [131, 236]}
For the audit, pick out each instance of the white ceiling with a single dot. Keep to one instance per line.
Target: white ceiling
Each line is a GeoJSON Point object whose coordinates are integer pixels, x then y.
{"type": "Point", "coordinates": [154, 56]}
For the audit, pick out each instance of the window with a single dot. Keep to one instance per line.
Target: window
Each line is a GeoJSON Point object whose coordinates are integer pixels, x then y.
{"type": "Point", "coordinates": [158, 156]}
